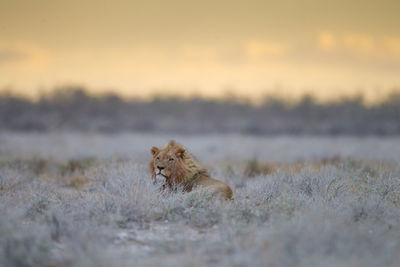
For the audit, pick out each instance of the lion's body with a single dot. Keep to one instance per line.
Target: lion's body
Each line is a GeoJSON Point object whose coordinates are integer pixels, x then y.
{"type": "Point", "coordinates": [174, 166]}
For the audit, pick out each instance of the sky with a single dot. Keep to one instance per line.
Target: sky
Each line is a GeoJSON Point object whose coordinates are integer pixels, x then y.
{"type": "Point", "coordinates": [205, 48]}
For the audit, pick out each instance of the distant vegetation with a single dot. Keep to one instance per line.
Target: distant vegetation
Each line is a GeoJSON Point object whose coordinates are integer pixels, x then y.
{"type": "Point", "coordinates": [74, 109]}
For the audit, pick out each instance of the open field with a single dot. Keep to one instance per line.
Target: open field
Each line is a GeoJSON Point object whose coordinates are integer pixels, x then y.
{"type": "Point", "coordinates": [74, 199]}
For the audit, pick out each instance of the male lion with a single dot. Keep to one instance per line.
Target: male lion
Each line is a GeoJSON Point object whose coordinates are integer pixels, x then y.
{"type": "Point", "coordinates": [173, 166]}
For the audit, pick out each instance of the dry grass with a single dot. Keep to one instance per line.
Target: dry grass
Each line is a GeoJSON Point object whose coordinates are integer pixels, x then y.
{"type": "Point", "coordinates": [84, 211]}
{"type": "Point", "coordinates": [254, 167]}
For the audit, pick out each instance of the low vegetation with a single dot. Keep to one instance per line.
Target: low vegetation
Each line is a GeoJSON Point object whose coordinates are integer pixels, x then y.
{"type": "Point", "coordinates": [88, 211]}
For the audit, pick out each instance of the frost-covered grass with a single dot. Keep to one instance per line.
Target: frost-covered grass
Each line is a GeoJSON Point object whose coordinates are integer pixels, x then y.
{"type": "Point", "coordinates": [80, 200]}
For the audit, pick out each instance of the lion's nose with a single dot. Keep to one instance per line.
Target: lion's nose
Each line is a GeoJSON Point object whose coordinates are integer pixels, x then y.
{"type": "Point", "coordinates": [160, 168]}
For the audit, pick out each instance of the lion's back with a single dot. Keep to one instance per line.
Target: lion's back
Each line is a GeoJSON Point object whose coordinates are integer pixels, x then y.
{"type": "Point", "coordinates": [216, 187]}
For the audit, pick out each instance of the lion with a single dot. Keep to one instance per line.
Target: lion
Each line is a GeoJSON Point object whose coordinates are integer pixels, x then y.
{"type": "Point", "coordinates": [173, 166]}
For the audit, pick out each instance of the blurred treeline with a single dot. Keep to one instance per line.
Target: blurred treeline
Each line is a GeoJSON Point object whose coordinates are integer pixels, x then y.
{"type": "Point", "coordinates": [74, 109]}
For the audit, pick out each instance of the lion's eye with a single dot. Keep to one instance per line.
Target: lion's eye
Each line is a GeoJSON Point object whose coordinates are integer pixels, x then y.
{"type": "Point", "coordinates": [171, 159]}
{"type": "Point", "coordinates": [158, 157]}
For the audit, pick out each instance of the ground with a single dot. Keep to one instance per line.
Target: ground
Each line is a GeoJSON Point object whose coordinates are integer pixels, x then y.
{"type": "Point", "coordinates": [73, 199]}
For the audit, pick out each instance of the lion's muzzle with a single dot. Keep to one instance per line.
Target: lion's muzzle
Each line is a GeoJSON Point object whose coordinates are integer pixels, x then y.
{"type": "Point", "coordinates": [160, 178]}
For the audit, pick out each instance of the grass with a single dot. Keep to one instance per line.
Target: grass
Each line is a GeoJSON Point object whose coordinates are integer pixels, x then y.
{"type": "Point", "coordinates": [85, 211]}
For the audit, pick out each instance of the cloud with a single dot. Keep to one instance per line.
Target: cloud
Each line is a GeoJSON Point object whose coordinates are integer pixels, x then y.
{"type": "Point", "coordinates": [10, 55]}
{"type": "Point", "coordinates": [360, 43]}
{"type": "Point", "coordinates": [22, 56]}
{"type": "Point", "coordinates": [392, 44]}
{"type": "Point", "coordinates": [358, 47]}
{"type": "Point", "coordinates": [351, 42]}
{"type": "Point", "coordinates": [256, 49]}
{"type": "Point", "coordinates": [233, 54]}
{"type": "Point", "coordinates": [327, 41]}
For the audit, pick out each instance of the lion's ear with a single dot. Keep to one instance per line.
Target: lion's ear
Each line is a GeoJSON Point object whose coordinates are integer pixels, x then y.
{"type": "Point", "coordinates": [180, 152]}
{"type": "Point", "coordinates": [154, 150]}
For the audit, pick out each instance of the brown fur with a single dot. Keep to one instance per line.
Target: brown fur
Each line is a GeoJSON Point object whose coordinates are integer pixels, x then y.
{"type": "Point", "coordinates": [180, 168]}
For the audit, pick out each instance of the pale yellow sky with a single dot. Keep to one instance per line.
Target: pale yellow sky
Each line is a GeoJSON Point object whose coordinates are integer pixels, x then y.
{"type": "Point", "coordinates": [251, 48]}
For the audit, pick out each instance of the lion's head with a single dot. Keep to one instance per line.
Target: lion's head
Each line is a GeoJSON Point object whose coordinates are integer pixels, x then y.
{"type": "Point", "coordinates": [167, 164]}
{"type": "Point", "coordinates": [173, 165]}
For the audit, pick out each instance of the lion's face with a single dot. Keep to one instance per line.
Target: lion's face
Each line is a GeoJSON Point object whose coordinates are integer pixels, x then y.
{"type": "Point", "coordinates": [167, 163]}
